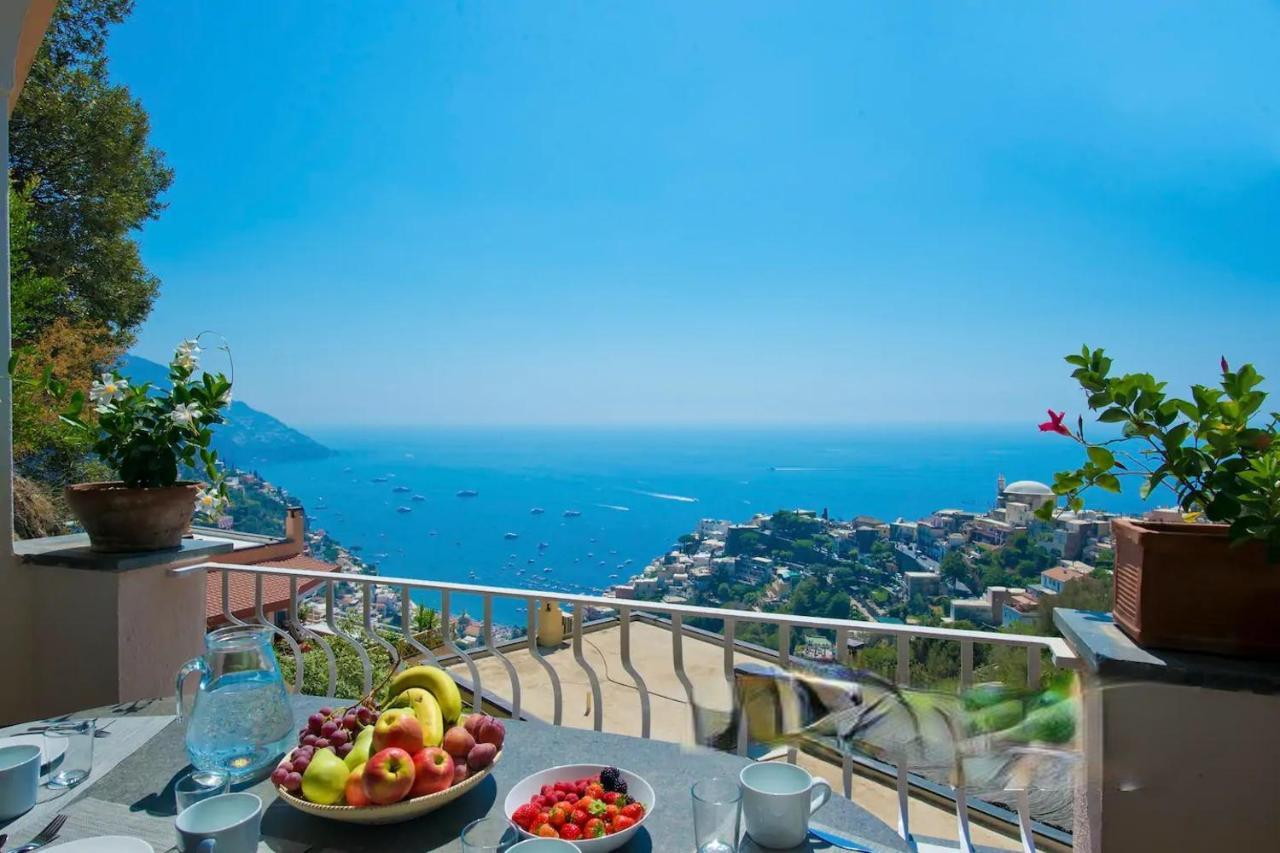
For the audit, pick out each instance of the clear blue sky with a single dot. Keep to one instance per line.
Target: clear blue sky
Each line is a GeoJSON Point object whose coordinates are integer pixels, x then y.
{"type": "Point", "coordinates": [554, 212]}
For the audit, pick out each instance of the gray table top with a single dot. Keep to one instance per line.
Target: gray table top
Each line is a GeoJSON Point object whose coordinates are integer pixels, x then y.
{"type": "Point", "coordinates": [143, 783]}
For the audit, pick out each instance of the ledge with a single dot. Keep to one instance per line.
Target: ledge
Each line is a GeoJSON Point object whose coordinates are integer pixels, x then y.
{"type": "Point", "coordinates": [72, 552]}
{"type": "Point", "coordinates": [1108, 652]}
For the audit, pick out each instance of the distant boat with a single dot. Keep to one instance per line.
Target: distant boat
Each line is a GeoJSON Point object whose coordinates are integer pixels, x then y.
{"type": "Point", "coordinates": [467, 493]}
{"type": "Point", "coordinates": [591, 553]}
{"type": "Point", "coordinates": [404, 509]}
{"type": "Point", "coordinates": [530, 560]}
{"type": "Point", "coordinates": [511, 536]}
{"type": "Point", "coordinates": [400, 489]}
{"type": "Point", "coordinates": [571, 513]}
{"type": "Point", "coordinates": [419, 498]}
{"type": "Point", "coordinates": [347, 470]}
{"type": "Point", "coordinates": [542, 546]}
{"type": "Point", "coordinates": [379, 479]}
{"type": "Point", "coordinates": [432, 533]}
{"type": "Point", "coordinates": [537, 510]}
{"type": "Point", "coordinates": [548, 569]}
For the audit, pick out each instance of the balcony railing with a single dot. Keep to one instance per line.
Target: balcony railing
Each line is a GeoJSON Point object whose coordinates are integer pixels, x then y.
{"type": "Point", "coordinates": [628, 612]}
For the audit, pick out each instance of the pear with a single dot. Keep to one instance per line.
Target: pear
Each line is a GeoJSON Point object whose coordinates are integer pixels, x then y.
{"type": "Point", "coordinates": [325, 779]}
{"type": "Point", "coordinates": [360, 748]}
{"type": "Point", "coordinates": [425, 707]}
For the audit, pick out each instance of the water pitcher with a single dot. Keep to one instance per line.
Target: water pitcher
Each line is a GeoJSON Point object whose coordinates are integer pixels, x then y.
{"type": "Point", "coordinates": [241, 721]}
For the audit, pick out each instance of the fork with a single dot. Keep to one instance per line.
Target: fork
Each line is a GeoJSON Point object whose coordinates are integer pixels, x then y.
{"type": "Point", "coordinates": [44, 836]}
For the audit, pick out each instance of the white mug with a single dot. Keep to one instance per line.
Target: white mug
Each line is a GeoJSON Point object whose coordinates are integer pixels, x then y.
{"type": "Point", "coordinates": [19, 779]}
{"type": "Point", "coordinates": [231, 821]}
{"type": "Point", "coordinates": [777, 801]}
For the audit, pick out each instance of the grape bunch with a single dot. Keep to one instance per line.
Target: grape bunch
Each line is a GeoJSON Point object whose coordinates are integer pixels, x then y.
{"type": "Point", "coordinates": [324, 729]}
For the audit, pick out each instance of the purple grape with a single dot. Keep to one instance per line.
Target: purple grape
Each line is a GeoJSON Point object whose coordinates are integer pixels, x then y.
{"type": "Point", "coordinates": [309, 740]}
{"type": "Point", "coordinates": [293, 782]}
{"type": "Point", "coordinates": [301, 764]}
{"type": "Point", "coordinates": [326, 711]}
{"type": "Point", "coordinates": [328, 729]}
{"type": "Point", "coordinates": [350, 721]}
{"type": "Point", "coordinates": [364, 715]}
{"type": "Point", "coordinates": [339, 737]}
{"type": "Point", "coordinates": [314, 722]}
{"type": "Point", "coordinates": [322, 743]}
{"type": "Point", "coordinates": [280, 774]}
{"type": "Point", "coordinates": [345, 749]}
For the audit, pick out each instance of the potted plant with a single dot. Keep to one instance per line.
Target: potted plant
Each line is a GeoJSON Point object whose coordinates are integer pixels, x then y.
{"type": "Point", "coordinates": [148, 436]}
{"type": "Point", "coordinates": [1211, 581]}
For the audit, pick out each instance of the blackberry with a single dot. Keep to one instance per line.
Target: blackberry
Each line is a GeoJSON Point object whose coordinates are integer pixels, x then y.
{"type": "Point", "coordinates": [611, 780]}
{"type": "Point", "coordinates": [621, 787]}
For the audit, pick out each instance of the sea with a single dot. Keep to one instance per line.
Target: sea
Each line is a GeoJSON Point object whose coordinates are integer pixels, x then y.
{"type": "Point", "coordinates": [630, 493]}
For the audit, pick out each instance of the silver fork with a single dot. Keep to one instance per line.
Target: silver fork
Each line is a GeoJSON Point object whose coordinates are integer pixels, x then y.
{"type": "Point", "coordinates": [44, 836]}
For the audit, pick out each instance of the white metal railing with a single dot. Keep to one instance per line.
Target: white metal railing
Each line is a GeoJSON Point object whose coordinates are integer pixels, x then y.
{"type": "Point", "coordinates": [1060, 653]}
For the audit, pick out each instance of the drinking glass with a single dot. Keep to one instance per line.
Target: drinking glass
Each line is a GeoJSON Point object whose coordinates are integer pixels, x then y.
{"type": "Point", "coordinates": [488, 835]}
{"type": "Point", "coordinates": [716, 807]}
{"type": "Point", "coordinates": [200, 785]}
{"type": "Point", "coordinates": [74, 740]}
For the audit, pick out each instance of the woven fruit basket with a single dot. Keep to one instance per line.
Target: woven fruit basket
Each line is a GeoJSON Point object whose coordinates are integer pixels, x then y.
{"type": "Point", "coordinates": [394, 812]}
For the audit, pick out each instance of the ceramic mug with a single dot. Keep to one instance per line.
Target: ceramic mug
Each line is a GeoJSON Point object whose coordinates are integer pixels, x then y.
{"type": "Point", "coordinates": [777, 801]}
{"type": "Point", "coordinates": [231, 821]}
{"type": "Point", "coordinates": [19, 779]}
{"type": "Point", "coordinates": [543, 845]}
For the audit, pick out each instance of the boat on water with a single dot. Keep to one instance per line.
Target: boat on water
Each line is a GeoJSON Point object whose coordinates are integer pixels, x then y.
{"type": "Point", "coordinates": [537, 510]}
{"type": "Point", "coordinates": [432, 533]}
{"type": "Point", "coordinates": [530, 560]}
{"type": "Point", "coordinates": [511, 536]}
{"type": "Point", "coordinates": [542, 546]}
{"type": "Point", "coordinates": [548, 569]}
{"type": "Point", "coordinates": [379, 479]}
{"type": "Point", "coordinates": [403, 509]}
{"type": "Point", "coordinates": [400, 489]}
{"type": "Point", "coordinates": [571, 513]}
{"type": "Point", "coordinates": [419, 498]}
{"type": "Point", "coordinates": [347, 470]}
{"type": "Point", "coordinates": [467, 493]}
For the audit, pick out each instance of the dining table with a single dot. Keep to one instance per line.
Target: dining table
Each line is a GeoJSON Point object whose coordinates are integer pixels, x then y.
{"type": "Point", "coordinates": [141, 755]}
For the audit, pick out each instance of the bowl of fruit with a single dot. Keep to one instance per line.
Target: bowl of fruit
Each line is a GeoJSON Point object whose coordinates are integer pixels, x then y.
{"type": "Point", "coordinates": [369, 765]}
{"type": "Point", "coordinates": [597, 808]}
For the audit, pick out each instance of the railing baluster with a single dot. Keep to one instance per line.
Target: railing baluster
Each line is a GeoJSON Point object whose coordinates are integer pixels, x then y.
{"type": "Point", "coordinates": [331, 619]}
{"type": "Point", "coordinates": [477, 692]}
{"type": "Point", "coordinates": [226, 600]}
{"type": "Point", "coordinates": [624, 621]}
{"type": "Point", "coordinates": [730, 640]}
{"type": "Point", "coordinates": [1033, 666]}
{"type": "Point", "coordinates": [406, 625]}
{"type": "Point", "coordinates": [271, 626]}
{"type": "Point", "coordinates": [784, 645]}
{"type": "Point", "coordinates": [846, 774]}
{"type": "Point", "coordinates": [312, 636]}
{"type": "Point", "coordinates": [534, 652]}
{"type": "Point", "coordinates": [904, 660]}
{"type": "Point", "coordinates": [497, 653]}
{"type": "Point", "coordinates": [597, 701]}
{"type": "Point", "coordinates": [843, 655]}
{"type": "Point", "coordinates": [677, 660]}
{"type": "Point", "coordinates": [370, 591]}
{"type": "Point", "coordinates": [966, 664]}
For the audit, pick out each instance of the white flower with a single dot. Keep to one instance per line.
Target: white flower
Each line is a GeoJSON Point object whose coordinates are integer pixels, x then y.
{"type": "Point", "coordinates": [209, 503]}
{"type": "Point", "coordinates": [108, 389]}
{"type": "Point", "coordinates": [187, 355]}
{"type": "Point", "coordinates": [184, 414]}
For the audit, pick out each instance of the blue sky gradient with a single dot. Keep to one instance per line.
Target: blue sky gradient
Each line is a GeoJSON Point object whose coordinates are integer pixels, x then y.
{"type": "Point", "coordinates": [723, 212]}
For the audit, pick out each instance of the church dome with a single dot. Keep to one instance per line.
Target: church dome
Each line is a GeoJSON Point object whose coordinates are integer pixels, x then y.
{"type": "Point", "coordinates": [1028, 487]}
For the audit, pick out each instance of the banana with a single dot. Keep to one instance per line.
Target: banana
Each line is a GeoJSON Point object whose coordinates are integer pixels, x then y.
{"type": "Point", "coordinates": [427, 710]}
{"type": "Point", "coordinates": [435, 681]}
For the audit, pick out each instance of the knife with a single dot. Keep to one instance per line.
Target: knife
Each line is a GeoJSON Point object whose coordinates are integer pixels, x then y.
{"type": "Point", "coordinates": [838, 840]}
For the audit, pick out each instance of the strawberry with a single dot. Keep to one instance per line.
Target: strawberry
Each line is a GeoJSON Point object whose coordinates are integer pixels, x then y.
{"type": "Point", "coordinates": [595, 789]}
{"type": "Point", "coordinates": [570, 832]}
{"type": "Point", "coordinates": [547, 831]}
{"type": "Point", "coordinates": [620, 823]}
{"type": "Point", "coordinates": [559, 816]}
{"type": "Point", "coordinates": [611, 797]}
{"type": "Point", "coordinates": [594, 828]}
{"type": "Point", "coordinates": [579, 817]}
{"type": "Point", "coordinates": [571, 798]}
{"type": "Point", "coordinates": [635, 811]}
{"type": "Point", "coordinates": [610, 812]}
{"type": "Point", "coordinates": [547, 791]}
{"type": "Point", "coordinates": [539, 801]}
{"type": "Point", "coordinates": [523, 816]}
{"type": "Point", "coordinates": [538, 821]}
{"type": "Point", "coordinates": [598, 808]}
{"type": "Point", "coordinates": [584, 804]}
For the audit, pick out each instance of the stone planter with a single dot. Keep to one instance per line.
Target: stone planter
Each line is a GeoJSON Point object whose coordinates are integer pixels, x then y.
{"type": "Point", "coordinates": [120, 519]}
{"type": "Point", "coordinates": [1185, 587]}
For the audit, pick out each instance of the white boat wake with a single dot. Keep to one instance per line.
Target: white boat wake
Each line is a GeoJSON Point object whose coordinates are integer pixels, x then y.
{"type": "Point", "coordinates": [615, 507]}
{"type": "Point", "coordinates": [665, 497]}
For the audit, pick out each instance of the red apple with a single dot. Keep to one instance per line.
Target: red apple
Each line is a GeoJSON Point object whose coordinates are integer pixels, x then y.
{"type": "Point", "coordinates": [355, 788]}
{"type": "Point", "coordinates": [474, 721]}
{"type": "Point", "coordinates": [492, 731]}
{"type": "Point", "coordinates": [481, 756]}
{"type": "Point", "coordinates": [460, 771]}
{"type": "Point", "coordinates": [388, 776]}
{"type": "Point", "coordinates": [458, 742]}
{"type": "Point", "coordinates": [433, 771]}
{"type": "Point", "coordinates": [399, 729]}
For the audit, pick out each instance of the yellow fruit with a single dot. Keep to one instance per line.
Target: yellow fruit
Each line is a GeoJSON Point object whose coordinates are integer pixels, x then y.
{"type": "Point", "coordinates": [325, 779]}
{"type": "Point", "coordinates": [360, 748]}
{"type": "Point", "coordinates": [426, 709]}
{"type": "Point", "coordinates": [434, 680]}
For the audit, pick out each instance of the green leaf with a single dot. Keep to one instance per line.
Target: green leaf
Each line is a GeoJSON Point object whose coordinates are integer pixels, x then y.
{"type": "Point", "coordinates": [1110, 482]}
{"type": "Point", "coordinates": [1114, 415]}
{"type": "Point", "coordinates": [1102, 457]}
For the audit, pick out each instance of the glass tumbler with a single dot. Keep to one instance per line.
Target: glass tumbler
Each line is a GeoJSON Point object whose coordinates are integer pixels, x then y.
{"type": "Point", "coordinates": [70, 747]}
{"type": "Point", "coordinates": [199, 785]}
{"type": "Point", "coordinates": [489, 835]}
{"type": "Point", "coordinates": [716, 809]}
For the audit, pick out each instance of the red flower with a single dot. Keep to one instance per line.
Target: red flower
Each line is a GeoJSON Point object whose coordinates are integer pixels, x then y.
{"type": "Point", "coordinates": [1225, 367]}
{"type": "Point", "coordinates": [1055, 424]}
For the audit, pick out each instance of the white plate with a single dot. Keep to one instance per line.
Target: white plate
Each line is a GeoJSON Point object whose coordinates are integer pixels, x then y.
{"type": "Point", "coordinates": [637, 789]}
{"type": "Point", "coordinates": [51, 749]}
{"type": "Point", "coordinates": [105, 844]}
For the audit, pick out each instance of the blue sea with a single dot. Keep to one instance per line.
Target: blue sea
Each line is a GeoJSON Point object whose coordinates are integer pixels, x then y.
{"type": "Point", "coordinates": [637, 490]}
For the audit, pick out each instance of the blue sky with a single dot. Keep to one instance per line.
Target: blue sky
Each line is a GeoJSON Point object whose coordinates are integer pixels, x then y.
{"type": "Point", "coordinates": [548, 212]}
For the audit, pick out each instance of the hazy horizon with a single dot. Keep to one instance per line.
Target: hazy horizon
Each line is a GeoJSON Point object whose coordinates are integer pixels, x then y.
{"type": "Point", "coordinates": [733, 213]}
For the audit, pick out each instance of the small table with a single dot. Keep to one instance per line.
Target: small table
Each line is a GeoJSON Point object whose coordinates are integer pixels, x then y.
{"type": "Point", "coordinates": [139, 791]}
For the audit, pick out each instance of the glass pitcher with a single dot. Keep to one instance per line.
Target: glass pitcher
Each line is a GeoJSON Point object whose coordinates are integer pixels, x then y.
{"type": "Point", "coordinates": [241, 721]}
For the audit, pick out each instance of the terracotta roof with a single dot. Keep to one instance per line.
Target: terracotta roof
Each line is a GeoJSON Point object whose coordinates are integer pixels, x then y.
{"type": "Point", "coordinates": [1063, 574]}
{"type": "Point", "coordinates": [275, 589]}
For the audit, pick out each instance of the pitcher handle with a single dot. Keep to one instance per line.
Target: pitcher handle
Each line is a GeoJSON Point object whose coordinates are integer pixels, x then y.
{"type": "Point", "coordinates": [193, 665]}
{"type": "Point", "coordinates": [821, 792]}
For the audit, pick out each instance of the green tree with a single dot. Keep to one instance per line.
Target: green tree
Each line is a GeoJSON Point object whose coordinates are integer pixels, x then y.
{"type": "Point", "coordinates": [1083, 593]}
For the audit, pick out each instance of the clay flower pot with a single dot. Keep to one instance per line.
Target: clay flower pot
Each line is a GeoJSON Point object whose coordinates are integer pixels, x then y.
{"type": "Point", "coordinates": [120, 519]}
{"type": "Point", "coordinates": [1185, 587]}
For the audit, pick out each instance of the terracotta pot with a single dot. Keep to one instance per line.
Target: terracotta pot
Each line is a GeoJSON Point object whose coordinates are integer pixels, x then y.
{"type": "Point", "coordinates": [1185, 587]}
{"type": "Point", "coordinates": [120, 519]}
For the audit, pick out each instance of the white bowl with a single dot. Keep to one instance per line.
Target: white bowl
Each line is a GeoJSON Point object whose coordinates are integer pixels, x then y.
{"type": "Point", "coordinates": [637, 789]}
